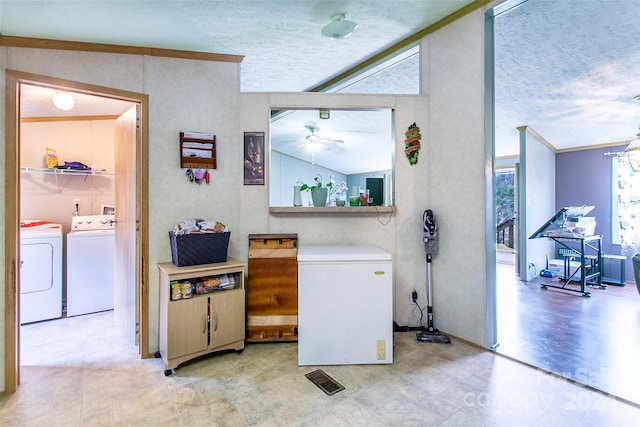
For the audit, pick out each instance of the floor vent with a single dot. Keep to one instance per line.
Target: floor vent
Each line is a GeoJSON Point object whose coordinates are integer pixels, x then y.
{"type": "Point", "coordinates": [324, 382]}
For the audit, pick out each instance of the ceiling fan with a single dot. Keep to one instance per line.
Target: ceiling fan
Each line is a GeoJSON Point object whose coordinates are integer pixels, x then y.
{"type": "Point", "coordinates": [315, 143]}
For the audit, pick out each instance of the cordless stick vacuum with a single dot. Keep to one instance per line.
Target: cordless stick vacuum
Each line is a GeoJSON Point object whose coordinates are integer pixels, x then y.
{"type": "Point", "coordinates": [431, 248]}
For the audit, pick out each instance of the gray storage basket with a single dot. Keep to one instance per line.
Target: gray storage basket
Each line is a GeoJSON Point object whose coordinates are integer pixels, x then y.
{"type": "Point", "coordinates": [199, 248]}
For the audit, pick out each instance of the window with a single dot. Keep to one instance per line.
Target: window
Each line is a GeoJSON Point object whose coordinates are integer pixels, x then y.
{"type": "Point", "coordinates": [505, 206]}
{"type": "Point", "coordinates": [626, 206]}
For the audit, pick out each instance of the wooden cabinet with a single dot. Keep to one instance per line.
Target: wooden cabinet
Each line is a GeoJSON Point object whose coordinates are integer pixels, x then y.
{"type": "Point", "coordinates": [202, 323]}
{"type": "Point", "coordinates": [272, 288]}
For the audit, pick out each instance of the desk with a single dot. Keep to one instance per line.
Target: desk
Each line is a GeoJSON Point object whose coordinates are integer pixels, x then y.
{"type": "Point", "coordinates": [590, 264]}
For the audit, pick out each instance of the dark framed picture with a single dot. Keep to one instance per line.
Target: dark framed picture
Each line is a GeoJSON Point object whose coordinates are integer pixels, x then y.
{"type": "Point", "coordinates": [254, 158]}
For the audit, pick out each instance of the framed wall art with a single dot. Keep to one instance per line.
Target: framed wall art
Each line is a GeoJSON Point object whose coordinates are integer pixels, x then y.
{"type": "Point", "coordinates": [254, 158]}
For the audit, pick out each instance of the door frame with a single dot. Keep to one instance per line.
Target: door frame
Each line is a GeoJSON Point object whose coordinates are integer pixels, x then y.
{"type": "Point", "coordinates": [12, 209]}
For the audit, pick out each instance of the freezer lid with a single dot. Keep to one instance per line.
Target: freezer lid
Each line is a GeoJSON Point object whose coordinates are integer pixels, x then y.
{"type": "Point", "coordinates": [342, 253]}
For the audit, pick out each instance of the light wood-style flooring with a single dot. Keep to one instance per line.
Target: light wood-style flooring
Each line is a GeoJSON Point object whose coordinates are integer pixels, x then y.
{"type": "Point", "coordinates": [593, 340]}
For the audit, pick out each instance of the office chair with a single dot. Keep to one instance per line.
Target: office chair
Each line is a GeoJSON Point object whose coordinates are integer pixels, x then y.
{"type": "Point", "coordinates": [636, 270]}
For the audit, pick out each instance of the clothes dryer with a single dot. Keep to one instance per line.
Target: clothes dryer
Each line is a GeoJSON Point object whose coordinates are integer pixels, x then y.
{"type": "Point", "coordinates": [90, 264]}
{"type": "Point", "coordinates": [40, 271]}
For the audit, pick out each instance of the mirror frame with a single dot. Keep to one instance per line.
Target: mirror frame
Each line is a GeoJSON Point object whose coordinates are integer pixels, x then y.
{"type": "Point", "coordinates": [256, 116]}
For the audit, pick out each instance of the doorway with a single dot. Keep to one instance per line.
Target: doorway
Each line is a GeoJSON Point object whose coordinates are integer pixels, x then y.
{"type": "Point", "coordinates": [588, 340]}
{"type": "Point", "coordinates": [134, 228]}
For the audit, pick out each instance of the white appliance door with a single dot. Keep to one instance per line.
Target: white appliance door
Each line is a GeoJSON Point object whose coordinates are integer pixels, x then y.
{"type": "Point", "coordinates": [90, 278]}
{"type": "Point", "coordinates": [36, 267]}
{"type": "Point", "coordinates": [40, 282]}
{"type": "Point", "coordinates": [345, 313]}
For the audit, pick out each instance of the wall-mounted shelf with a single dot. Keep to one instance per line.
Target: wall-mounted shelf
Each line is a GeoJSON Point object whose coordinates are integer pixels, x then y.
{"type": "Point", "coordinates": [68, 172]}
{"type": "Point", "coordinates": [65, 171]}
{"type": "Point", "coordinates": [197, 150]}
{"type": "Point", "coordinates": [346, 210]}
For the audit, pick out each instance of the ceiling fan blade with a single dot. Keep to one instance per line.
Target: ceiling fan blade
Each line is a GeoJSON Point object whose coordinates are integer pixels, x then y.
{"type": "Point", "coordinates": [318, 143]}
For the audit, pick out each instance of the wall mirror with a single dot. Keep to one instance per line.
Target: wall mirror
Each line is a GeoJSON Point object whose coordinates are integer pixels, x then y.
{"type": "Point", "coordinates": [355, 146]}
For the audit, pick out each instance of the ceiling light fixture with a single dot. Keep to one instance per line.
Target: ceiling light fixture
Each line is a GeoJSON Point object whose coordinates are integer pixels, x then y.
{"type": "Point", "coordinates": [633, 149]}
{"type": "Point", "coordinates": [339, 27]}
{"type": "Point", "coordinates": [314, 146]}
{"type": "Point", "coordinates": [63, 101]}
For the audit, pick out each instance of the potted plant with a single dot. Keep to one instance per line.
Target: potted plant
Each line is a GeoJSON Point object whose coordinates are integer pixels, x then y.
{"type": "Point", "coordinates": [318, 191]}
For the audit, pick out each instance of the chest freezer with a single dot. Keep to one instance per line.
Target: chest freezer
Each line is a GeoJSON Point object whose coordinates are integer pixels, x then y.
{"type": "Point", "coordinates": [345, 305]}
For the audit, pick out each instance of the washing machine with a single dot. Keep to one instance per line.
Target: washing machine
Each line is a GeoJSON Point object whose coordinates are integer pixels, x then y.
{"type": "Point", "coordinates": [40, 271]}
{"type": "Point", "coordinates": [91, 253]}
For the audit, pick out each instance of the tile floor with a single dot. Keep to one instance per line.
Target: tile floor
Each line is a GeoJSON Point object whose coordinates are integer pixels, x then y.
{"type": "Point", "coordinates": [79, 372]}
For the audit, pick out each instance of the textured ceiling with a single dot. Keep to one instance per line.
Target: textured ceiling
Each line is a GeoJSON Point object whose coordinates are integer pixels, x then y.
{"type": "Point", "coordinates": [280, 39]}
{"type": "Point", "coordinates": [366, 137]}
{"type": "Point", "coordinates": [567, 68]}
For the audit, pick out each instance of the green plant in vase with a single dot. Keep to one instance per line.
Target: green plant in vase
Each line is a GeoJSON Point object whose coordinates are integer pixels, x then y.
{"type": "Point", "coordinates": [318, 191]}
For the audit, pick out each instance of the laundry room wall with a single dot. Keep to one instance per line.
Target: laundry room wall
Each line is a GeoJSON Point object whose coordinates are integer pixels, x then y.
{"type": "Point", "coordinates": [50, 196]}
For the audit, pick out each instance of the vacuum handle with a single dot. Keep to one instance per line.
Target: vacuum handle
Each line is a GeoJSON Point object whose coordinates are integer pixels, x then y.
{"type": "Point", "coordinates": [430, 237]}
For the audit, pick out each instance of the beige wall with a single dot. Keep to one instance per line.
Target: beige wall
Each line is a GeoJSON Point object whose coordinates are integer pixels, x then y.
{"type": "Point", "coordinates": [399, 233]}
{"type": "Point", "coordinates": [204, 96]}
{"type": "Point", "coordinates": [51, 197]}
{"type": "Point", "coordinates": [185, 95]}
{"type": "Point", "coordinates": [537, 201]}
{"type": "Point", "coordinates": [454, 69]}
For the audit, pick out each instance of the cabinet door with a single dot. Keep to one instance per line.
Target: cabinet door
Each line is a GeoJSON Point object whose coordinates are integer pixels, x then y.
{"type": "Point", "coordinates": [227, 317]}
{"type": "Point", "coordinates": [187, 326]}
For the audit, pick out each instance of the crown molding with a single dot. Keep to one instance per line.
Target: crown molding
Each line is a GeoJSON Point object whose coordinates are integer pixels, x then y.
{"type": "Point", "coordinates": [33, 43]}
